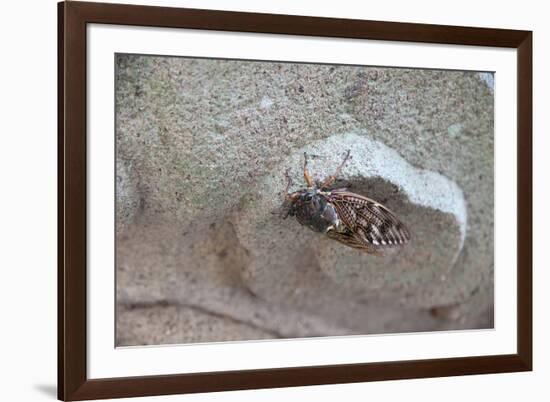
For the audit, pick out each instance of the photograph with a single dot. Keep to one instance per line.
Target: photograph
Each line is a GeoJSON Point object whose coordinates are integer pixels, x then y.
{"type": "Point", "coordinates": [260, 200]}
{"type": "Point", "coordinates": [239, 201]}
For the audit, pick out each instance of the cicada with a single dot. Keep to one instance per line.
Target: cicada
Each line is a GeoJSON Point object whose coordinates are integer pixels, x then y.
{"type": "Point", "coordinates": [352, 219]}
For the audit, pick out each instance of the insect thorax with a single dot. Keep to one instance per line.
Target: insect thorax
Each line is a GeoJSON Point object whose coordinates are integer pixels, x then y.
{"type": "Point", "coordinates": [313, 210]}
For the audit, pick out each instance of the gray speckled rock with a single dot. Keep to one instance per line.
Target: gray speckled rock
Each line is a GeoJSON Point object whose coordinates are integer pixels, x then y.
{"type": "Point", "coordinates": [179, 324]}
{"type": "Point", "coordinates": [202, 146]}
{"type": "Point", "coordinates": [128, 199]}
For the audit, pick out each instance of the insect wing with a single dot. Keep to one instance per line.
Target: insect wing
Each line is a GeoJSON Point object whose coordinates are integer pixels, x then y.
{"type": "Point", "coordinates": [350, 239]}
{"type": "Point", "coordinates": [368, 223]}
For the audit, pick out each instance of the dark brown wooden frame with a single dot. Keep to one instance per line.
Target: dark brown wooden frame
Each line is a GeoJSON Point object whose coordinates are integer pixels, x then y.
{"type": "Point", "coordinates": [73, 383]}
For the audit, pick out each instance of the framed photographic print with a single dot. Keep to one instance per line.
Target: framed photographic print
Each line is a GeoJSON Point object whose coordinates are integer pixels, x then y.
{"type": "Point", "coordinates": [254, 200]}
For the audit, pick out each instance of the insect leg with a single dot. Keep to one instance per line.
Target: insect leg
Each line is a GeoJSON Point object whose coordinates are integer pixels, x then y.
{"type": "Point", "coordinates": [329, 180]}
{"type": "Point", "coordinates": [307, 177]}
{"type": "Point", "coordinates": [288, 184]}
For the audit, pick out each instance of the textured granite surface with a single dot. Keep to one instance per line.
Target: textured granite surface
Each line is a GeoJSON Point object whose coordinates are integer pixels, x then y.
{"type": "Point", "coordinates": [202, 146]}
